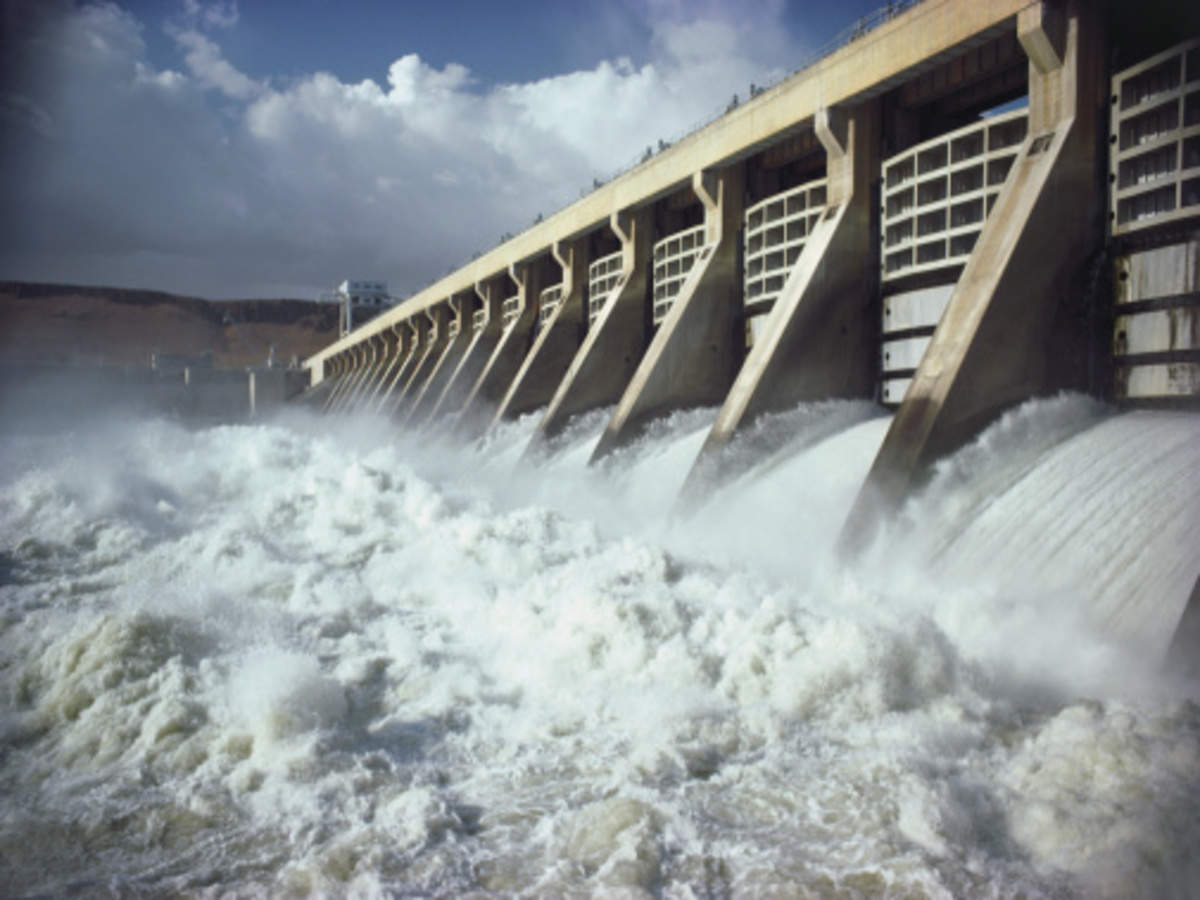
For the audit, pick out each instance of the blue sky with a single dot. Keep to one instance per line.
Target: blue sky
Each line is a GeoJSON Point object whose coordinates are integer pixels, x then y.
{"type": "Point", "coordinates": [513, 41]}
{"type": "Point", "coordinates": [225, 148]}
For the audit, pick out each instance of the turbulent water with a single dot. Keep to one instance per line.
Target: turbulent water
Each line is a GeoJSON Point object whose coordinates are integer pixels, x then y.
{"type": "Point", "coordinates": [325, 657]}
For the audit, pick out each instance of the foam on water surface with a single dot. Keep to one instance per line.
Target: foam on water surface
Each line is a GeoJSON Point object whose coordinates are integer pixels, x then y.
{"type": "Point", "coordinates": [324, 657]}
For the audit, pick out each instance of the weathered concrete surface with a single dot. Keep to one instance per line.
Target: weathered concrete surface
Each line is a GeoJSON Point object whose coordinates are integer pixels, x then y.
{"type": "Point", "coordinates": [613, 346]}
{"type": "Point", "coordinates": [315, 396]}
{"type": "Point", "coordinates": [447, 362]}
{"type": "Point", "coordinates": [433, 340]}
{"type": "Point", "coordinates": [695, 353]}
{"type": "Point", "coordinates": [366, 365]}
{"type": "Point", "coordinates": [272, 388]}
{"type": "Point", "coordinates": [1156, 334]}
{"type": "Point", "coordinates": [505, 361]}
{"type": "Point", "coordinates": [819, 336]}
{"type": "Point", "coordinates": [352, 362]}
{"type": "Point", "coordinates": [923, 33]}
{"type": "Point", "coordinates": [384, 352]}
{"type": "Point", "coordinates": [1183, 654]}
{"type": "Point", "coordinates": [393, 357]}
{"type": "Point", "coordinates": [478, 352]}
{"type": "Point", "coordinates": [334, 373]}
{"type": "Point", "coordinates": [215, 394]}
{"type": "Point", "coordinates": [996, 344]}
{"type": "Point", "coordinates": [376, 363]}
{"type": "Point", "coordinates": [556, 343]}
{"type": "Point", "coordinates": [408, 336]}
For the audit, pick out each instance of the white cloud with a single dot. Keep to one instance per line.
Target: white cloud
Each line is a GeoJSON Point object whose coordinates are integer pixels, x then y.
{"type": "Point", "coordinates": [286, 186]}
{"type": "Point", "coordinates": [204, 60]}
{"type": "Point", "coordinates": [216, 14]}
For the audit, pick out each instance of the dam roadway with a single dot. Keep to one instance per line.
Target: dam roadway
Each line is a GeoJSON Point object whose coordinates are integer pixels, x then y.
{"type": "Point", "coordinates": [968, 204]}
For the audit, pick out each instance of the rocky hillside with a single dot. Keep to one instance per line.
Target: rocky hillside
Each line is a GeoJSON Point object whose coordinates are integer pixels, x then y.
{"type": "Point", "coordinates": [85, 326]}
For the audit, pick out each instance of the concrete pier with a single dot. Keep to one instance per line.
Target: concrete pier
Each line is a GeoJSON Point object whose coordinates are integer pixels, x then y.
{"type": "Point", "coordinates": [433, 339]}
{"type": "Point", "coordinates": [560, 331]}
{"type": "Point", "coordinates": [998, 342]}
{"type": "Point", "coordinates": [618, 329]}
{"type": "Point", "coordinates": [518, 314]}
{"type": "Point", "coordinates": [694, 354]}
{"type": "Point", "coordinates": [458, 338]}
{"type": "Point", "coordinates": [816, 341]}
{"type": "Point", "coordinates": [394, 358]}
{"type": "Point", "coordinates": [411, 334]}
{"type": "Point", "coordinates": [486, 329]}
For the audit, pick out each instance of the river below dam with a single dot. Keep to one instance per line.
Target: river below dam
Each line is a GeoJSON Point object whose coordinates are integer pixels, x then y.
{"type": "Point", "coordinates": [323, 656]}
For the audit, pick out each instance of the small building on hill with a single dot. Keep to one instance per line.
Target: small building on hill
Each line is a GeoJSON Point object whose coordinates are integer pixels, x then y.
{"type": "Point", "coordinates": [360, 302]}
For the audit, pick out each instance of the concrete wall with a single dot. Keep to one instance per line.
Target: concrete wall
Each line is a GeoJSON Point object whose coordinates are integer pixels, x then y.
{"type": "Point", "coordinates": [695, 353]}
{"type": "Point", "coordinates": [614, 344]}
{"type": "Point", "coordinates": [483, 343]}
{"type": "Point", "coordinates": [903, 46]}
{"type": "Point", "coordinates": [818, 338]}
{"type": "Point", "coordinates": [486, 395]}
{"type": "Point", "coordinates": [447, 361]}
{"type": "Point", "coordinates": [997, 342]}
{"type": "Point", "coordinates": [270, 389]}
{"type": "Point", "coordinates": [556, 341]}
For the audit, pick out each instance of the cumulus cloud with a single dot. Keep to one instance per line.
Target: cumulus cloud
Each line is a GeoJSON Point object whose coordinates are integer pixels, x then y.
{"type": "Point", "coordinates": [204, 60]}
{"type": "Point", "coordinates": [201, 179]}
{"type": "Point", "coordinates": [218, 14]}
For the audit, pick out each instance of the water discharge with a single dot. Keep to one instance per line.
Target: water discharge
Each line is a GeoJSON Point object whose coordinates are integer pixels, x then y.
{"type": "Point", "coordinates": [331, 658]}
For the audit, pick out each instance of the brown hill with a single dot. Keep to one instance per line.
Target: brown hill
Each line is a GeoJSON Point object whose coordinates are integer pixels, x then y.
{"type": "Point", "coordinates": [84, 326]}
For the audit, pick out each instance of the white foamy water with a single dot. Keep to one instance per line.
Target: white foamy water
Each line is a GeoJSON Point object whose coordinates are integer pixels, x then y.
{"type": "Point", "coordinates": [323, 657]}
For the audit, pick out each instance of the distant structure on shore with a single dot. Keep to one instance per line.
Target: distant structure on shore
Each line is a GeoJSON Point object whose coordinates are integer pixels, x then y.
{"type": "Point", "coordinates": [360, 302]}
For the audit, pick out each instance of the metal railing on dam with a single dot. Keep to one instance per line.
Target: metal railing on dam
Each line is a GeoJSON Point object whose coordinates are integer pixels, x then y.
{"type": "Point", "coordinates": [867, 229]}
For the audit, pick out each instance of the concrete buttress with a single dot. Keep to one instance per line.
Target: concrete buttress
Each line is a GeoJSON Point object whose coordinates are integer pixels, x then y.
{"type": "Point", "coordinates": [377, 351]}
{"type": "Point", "coordinates": [483, 341]}
{"type": "Point", "coordinates": [616, 340]}
{"type": "Point", "coordinates": [692, 358]}
{"type": "Point", "coordinates": [341, 373]}
{"type": "Point", "coordinates": [410, 333]}
{"type": "Point", "coordinates": [430, 353]}
{"type": "Point", "coordinates": [819, 337]}
{"type": "Point", "coordinates": [557, 340]}
{"type": "Point", "coordinates": [358, 365]}
{"type": "Point", "coordinates": [999, 339]}
{"type": "Point", "coordinates": [447, 361]}
{"type": "Point", "coordinates": [395, 358]}
{"type": "Point", "coordinates": [504, 363]}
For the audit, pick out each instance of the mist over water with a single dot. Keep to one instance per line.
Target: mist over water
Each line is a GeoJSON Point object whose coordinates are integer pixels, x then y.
{"type": "Point", "coordinates": [325, 656]}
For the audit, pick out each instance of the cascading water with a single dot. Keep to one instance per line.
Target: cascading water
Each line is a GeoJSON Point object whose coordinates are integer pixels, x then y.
{"type": "Point", "coordinates": [323, 656]}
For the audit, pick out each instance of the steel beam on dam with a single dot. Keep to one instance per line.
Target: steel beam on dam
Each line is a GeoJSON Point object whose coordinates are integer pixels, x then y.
{"type": "Point", "coordinates": [965, 206]}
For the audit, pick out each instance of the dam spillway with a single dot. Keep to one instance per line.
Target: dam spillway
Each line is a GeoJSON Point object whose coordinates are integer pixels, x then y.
{"type": "Point", "coordinates": [964, 207]}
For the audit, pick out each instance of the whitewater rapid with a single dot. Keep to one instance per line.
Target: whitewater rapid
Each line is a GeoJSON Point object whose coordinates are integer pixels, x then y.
{"type": "Point", "coordinates": [325, 657]}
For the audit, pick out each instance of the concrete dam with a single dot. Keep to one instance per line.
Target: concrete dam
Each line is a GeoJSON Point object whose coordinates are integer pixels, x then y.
{"type": "Point", "coordinates": [965, 206]}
